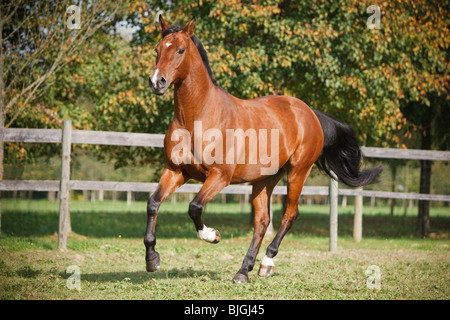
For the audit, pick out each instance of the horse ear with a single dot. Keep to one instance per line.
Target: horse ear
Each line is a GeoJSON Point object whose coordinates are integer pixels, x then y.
{"type": "Point", "coordinates": [189, 29]}
{"type": "Point", "coordinates": [163, 24]}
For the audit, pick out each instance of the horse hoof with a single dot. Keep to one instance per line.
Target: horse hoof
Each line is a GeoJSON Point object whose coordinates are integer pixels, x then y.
{"type": "Point", "coordinates": [154, 264]}
{"type": "Point", "coordinates": [265, 271]}
{"type": "Point", "coordinates": [209, 235]}
{"type": "Point", "coordinates": [218, 236]}
{"type": "Point", "coordinates": [266, 268]}
{"type": "Point", "coordinates": [241, 278]}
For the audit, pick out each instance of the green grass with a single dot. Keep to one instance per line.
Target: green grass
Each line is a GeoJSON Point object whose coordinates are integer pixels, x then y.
{"type": "Point", "coordinates": [108, 248]}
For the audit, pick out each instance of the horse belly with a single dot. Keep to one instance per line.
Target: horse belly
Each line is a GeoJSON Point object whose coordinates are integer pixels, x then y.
{"type": "Point", "coordinates": [255, 172]}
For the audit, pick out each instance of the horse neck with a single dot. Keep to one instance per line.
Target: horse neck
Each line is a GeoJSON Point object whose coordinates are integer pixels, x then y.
{"type": "Point", "coordinates": [192, 94]}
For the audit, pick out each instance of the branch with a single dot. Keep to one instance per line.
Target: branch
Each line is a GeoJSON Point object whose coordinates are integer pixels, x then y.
{"type": "Point", "coordinates": [8, 17]}
{"type": "Point", "coordinates": [69, 44]}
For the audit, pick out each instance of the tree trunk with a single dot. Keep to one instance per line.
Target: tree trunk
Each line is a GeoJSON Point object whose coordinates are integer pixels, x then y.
{"type": "Point", "coordinates": [2, 110]}
{"type": "Point", "coordinates": [423, 219]}
{"type": "Point", "coordinates": [393, 175]}
{"type": "Point", "coordinates": [406, 189]}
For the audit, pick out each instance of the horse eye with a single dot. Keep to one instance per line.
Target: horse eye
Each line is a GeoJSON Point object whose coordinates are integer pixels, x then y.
{"type": "Point", "coordinates": [181, 51]}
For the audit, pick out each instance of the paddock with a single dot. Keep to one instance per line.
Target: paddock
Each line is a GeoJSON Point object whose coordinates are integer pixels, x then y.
{"type": "Point", "coordinates": [67, 137]}
{"type": "Point", "coordinates": [106, 245]}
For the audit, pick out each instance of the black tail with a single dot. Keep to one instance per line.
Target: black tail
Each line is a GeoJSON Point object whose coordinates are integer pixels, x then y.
{"type": "Point", "coordinates": [341, 153]}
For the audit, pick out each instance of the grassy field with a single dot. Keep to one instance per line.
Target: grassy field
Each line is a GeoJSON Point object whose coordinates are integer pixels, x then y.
{"type": "Point", "coordinates": [107, 247]}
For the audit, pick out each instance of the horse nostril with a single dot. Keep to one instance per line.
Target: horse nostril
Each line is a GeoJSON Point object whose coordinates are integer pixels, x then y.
{"type": "Point", "coordinates": [162, 81]}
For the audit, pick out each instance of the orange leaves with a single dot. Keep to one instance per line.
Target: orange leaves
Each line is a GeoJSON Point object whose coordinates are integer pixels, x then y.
{"type": "Point", "coordinates": [78, 78]}
{"type": "Point", "coordinates": [18, 150]}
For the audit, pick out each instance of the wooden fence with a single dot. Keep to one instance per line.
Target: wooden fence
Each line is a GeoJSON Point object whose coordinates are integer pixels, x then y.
{"type": "Point", "coordinates": [67, 136]}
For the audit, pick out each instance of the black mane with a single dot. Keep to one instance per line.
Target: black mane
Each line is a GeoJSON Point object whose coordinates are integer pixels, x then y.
{"type": "Point", "coordinates": [198, 45]}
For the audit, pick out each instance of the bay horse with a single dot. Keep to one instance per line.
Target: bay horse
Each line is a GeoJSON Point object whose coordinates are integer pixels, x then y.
{"type": "Point", "coordinates": [300, 136]}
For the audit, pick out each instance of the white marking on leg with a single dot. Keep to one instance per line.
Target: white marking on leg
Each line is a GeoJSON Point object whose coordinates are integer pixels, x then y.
{"type": "Point", "coordinates": [155, 76]}
{"type": "Point", "coordinates": [267, 267]}
{"type": "Point", "coordinates": [267, 262]}
{"type": "Point", "coordinates": [207, 234]}
{"type": "Point", "coordinates": [168, 44]}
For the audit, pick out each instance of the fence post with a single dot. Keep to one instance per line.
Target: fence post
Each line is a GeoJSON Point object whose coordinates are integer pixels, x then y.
{"type": "Point", "coordinates": [64, 188]}
{"type": "Point", "coordinates": [333, 194]}
{"type": "Point", "coordinates": [129, 198]}
{"type": "Point", "coordinates": [357, 219]}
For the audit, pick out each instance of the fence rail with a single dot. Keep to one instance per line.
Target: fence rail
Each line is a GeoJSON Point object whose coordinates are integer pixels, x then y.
{"type": "Point", "coordinates": [53, 185]}
{"type": "Point", "coordinates": [131, 139]}
{"type": "Point", "coordinates": [409, 154]}
{"type": "Point", "coordinates": [157, 140]}
{"type": "Point", "coordinates": [67, 136]}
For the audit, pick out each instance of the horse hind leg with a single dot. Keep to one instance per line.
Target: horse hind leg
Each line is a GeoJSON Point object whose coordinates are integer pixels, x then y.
{"type": "Point", "coordinates": [261, 193]}
{"type": "Point", "coordinates": [296, 179]}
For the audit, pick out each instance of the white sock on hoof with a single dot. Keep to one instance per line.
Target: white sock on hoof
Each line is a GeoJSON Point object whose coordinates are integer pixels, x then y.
{"type": "Point", "coordinates": [266, 268]}
{"type": "Point", "coordinates": [267, 262]}
{"type": "Point", "coordinates": [207, 234]}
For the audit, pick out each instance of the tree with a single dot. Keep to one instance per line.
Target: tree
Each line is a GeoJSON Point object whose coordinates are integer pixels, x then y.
{"type": "Point", "coordinates": [430, 123]}
{"type": "Point", "coordinates": [35, 43]}
{"type": "Point", "coordinates": [322, 52]}
{"type": "Point", "coordinates": [319, 51]}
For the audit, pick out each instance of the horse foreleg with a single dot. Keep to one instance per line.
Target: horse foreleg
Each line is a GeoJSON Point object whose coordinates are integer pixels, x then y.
{"type": "Point", "coordinates": [213, 184]}
{"type": "Point", "coordinates": [261, 193]}
{"type": "Point", "coordinates": [170, 181]}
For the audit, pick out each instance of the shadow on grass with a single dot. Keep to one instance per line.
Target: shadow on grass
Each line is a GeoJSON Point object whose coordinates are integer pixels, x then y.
{"type": "Point", "coordinates": [139, 277]}
{"type": "Point", "coordinates": [28, 272]}
{"type": "Point", "coordinates": [179, 225]}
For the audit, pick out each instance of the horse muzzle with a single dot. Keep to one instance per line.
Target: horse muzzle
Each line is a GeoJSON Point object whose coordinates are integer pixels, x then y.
{"type": "Point", "coordinates": [158, 83]}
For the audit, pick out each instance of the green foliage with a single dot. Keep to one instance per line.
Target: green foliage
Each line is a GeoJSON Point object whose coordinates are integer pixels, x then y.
{"type": "Point", "coordinates": [36, 51]}
{"type": "Point", "coordinates": [319, 51]}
